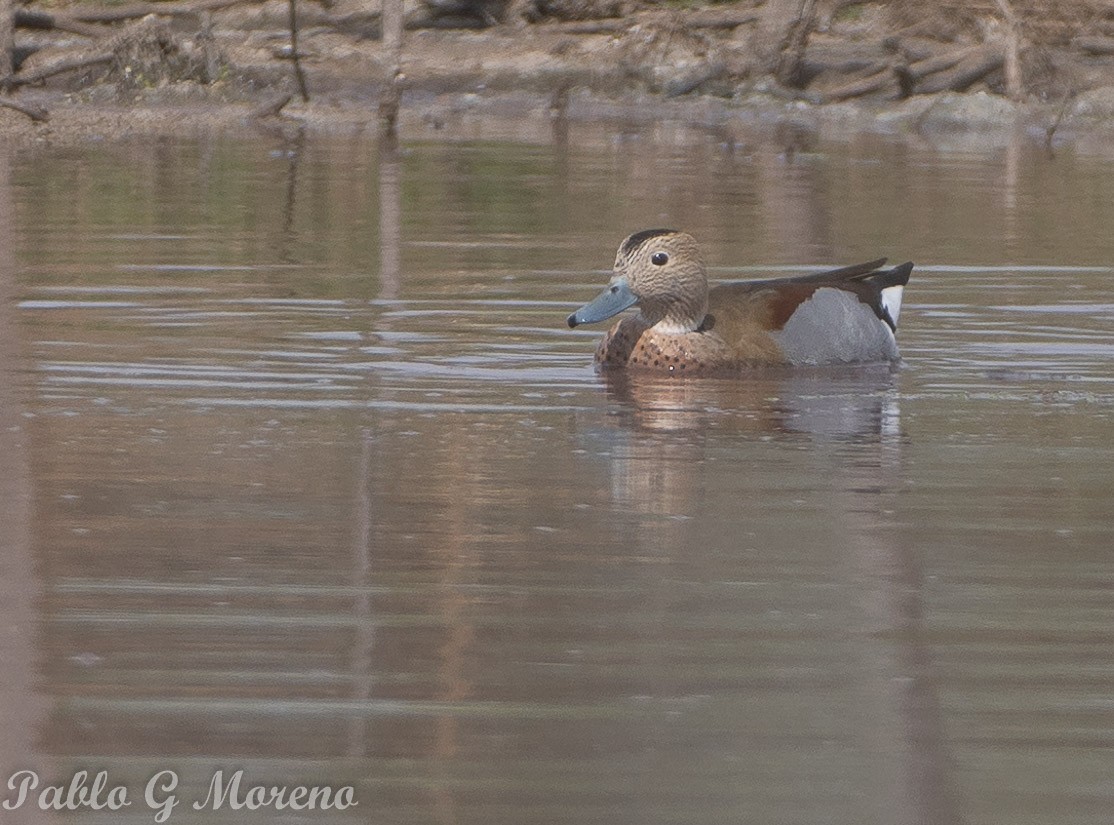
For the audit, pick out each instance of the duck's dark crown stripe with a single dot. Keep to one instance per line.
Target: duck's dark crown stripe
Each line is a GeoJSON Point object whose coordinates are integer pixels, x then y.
{"type": "Point", "coordinates": [631, 243]}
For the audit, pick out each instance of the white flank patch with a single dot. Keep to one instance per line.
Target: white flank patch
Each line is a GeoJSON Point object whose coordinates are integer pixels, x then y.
{"type": "Point", "coordinates": [835, 327]}
{"type": "Point", "coordinates": [891, 300]}
{"type": "Point", "coordinates": [671, 328]}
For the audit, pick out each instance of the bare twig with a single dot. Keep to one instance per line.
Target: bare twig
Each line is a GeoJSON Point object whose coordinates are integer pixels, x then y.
{"type": "Point", "coordinates": [299, 75]}
{"type": "Point", "coordinates": [1050, 131]}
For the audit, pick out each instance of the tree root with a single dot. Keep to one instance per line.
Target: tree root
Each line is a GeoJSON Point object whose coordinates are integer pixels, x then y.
{"type": "Point", "coordinates": [36, 113]}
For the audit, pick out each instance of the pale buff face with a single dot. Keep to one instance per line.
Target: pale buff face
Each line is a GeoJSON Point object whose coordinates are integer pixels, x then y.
{"type": "Point", "coordinates": [666, 273]}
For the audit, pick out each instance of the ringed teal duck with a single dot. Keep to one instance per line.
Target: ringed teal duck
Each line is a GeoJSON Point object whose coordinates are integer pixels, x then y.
{"type": "Point", "coordinates": [844, 316]}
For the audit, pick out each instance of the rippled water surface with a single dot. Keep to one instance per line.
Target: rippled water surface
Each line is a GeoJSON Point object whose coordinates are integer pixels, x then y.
{"type": "Point", "coordinates": [305, 476]}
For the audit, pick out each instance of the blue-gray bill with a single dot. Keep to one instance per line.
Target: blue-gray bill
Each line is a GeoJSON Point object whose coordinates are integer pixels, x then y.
{"type": "Point", "coordinates": [607, 304]}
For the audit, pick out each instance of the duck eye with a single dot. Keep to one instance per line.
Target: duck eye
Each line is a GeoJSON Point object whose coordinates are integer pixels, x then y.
{"type": "Point", "coordinates": [659, 259]}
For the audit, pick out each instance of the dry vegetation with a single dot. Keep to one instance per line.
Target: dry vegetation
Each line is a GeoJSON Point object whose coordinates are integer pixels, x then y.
{"type": "Point", "coordinates": [814, 50]}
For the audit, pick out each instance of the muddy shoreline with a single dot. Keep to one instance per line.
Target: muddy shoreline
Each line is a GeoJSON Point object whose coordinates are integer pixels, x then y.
{"type": "Point", "coordinates": [230, 71]}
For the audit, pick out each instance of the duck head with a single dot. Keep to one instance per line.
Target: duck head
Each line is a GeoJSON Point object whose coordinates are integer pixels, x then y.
{"type": "Point", "coordinates": [660, 271]}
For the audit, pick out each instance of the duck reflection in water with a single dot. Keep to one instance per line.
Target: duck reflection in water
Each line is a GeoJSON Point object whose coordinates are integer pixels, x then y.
{"type": "Point", "coordinates": [831, 403]}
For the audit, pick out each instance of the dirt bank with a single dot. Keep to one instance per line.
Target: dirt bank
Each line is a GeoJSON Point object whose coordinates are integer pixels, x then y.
{"type": "Point", "coordinates": [784, 68]}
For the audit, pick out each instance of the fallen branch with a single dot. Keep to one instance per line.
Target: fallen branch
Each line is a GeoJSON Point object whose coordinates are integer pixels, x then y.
{"type": "Point", "coordinates": [909, 75]}
{"type": "Point", "coordinates": [270, 108]}
{"type": "Point", "coordinates": [725, 20]}
{"type": "Point", "coordinates": [913, 49]}
{"type": "Point", "coordinates": [146, 52]}
{"type": "Point", "coordinates": [814, 67]}
{"type": "Point", "coordinates": [1094, 44]}
{"type": "Point", "coordinates": [137, 10]}
{"type": "Point", "coordinates": [36, 113]}
{"type": "Point", "coordinates": [588, 27]}
{"type": "Point", "coordinates": [718, 19]}
{"type": "Point", "coordinates": [941, 62]}
{"type": "Point", "coordinates": [35, 19]}
{"type": "Point", "coordinates": [68, 65]}
{"type": "Point", "coordinates": [966, 73]}
{"type": "Point", "coordinates": [863, 86]}
{"type": "Point", "coordinates": [690, 81]}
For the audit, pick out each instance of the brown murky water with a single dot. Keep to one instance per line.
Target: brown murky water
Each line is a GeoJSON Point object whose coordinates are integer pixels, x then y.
{"type": "Point", "coordinates": [304, 476]}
